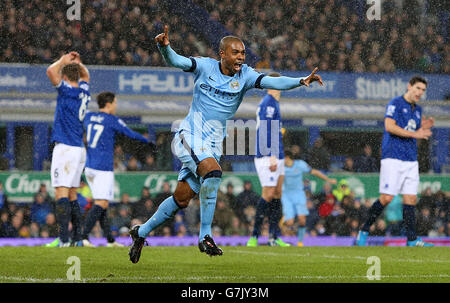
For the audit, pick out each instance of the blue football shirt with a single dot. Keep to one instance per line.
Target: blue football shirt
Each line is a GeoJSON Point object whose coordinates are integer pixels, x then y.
{"type": "Point", "coordinates": [406, 117]}
{"type": "Point", "coordinates": [268, 120]}
{"type": "Point", "coordinates": [101, 129]}
{"type": "Point", "coordinates": [293, 176]}
{"type": "Point", "coordinates": [71, 107]}
{"type": "Point", "coordinates": [216, 98]}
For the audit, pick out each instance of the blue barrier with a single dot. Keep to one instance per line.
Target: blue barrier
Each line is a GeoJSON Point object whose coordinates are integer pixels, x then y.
{"type": "Point", "coordinates": [159, 81]}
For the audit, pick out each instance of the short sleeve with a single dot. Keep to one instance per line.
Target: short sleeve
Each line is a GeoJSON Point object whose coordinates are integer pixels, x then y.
{"type": "Point", "coordinates": [305, 166]}
{"type": "Point", "coordinates": [391, 111]}
{"type": "Point", "coordinates": [84, 85]}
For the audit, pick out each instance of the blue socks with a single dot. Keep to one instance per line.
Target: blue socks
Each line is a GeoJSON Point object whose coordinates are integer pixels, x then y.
{"type": "Point", "coordinates": [92, 217]}
{"type": "Point", "coordinates": [63, 210]}
{"type": "Point", "coordinates": [409, 219]}
{"type": "Point", "coordinates": [261, 209]}
{"type": "Point", "coordinates": [374, 212]}
{"type": "Point", "coordinates": [275, 215]}
{"type": "Point", "coordinates": [301, 233]}
{"type": "Point", "coordinates": [76, 220]}
{"type": "Point", "coordinates": [166, 210]}
{"type": "Point", "coordinates": [208, 197]}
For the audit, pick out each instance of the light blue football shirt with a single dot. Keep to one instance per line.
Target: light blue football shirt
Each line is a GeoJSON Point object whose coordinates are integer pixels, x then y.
{"type": "Point", "coordinates": [293, 176]}
{"type": "Point", "coordinates": [216, 98]}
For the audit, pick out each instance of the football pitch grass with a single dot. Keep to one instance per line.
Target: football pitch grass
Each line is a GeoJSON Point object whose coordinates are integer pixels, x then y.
{"type": "Point", "coordinates": [238, 264]}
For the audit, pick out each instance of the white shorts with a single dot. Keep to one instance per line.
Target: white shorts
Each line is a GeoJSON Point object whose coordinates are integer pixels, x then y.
{"type": "Point", "coordinates": [101, 183]}
{"type": "Point", "coordinates": [268, 178]}
{"type": "Point", "coordinates": [399, 177]}
{"type": "Point", "coordinates": [67, 165]}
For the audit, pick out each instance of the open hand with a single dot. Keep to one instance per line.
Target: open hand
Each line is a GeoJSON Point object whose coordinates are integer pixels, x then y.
{"type": "Point", "coordinates": [163, 38]}
{"type": "Point", "coordinates": [312, 78]}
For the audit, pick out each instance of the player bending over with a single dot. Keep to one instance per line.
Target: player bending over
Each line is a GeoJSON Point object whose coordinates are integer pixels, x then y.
{"type": "Point", "coordinates": [219, 87]}
{"type": "Point", "coordinates": [101, 128]}
{"type": "Point", "coordinates": [399, 172]}
{"type": "Point", "coordinates": [71, 79]}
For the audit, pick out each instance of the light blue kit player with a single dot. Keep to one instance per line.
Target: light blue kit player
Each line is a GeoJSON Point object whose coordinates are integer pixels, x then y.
{"type": "Point", "coordinates": [399, 171]}
{"type": "Point", "coordinates": [71, 79]}
{"type": "Point", "coordinates": [219, 88]}
{"type": "Point", "coordinates": [293, 198]}
{"type": "Point", "coordinates": [101, 129]}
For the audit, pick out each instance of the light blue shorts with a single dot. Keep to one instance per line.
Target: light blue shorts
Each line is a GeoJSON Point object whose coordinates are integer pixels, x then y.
{"type": "Point", "coordinates": [294, 204]}
{"type": "Point", "coordinates": [191, 157]}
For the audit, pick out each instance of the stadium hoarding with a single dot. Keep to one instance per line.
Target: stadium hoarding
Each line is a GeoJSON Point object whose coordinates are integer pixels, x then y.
{"type": "Point", "coordinates": [22, 78]}
{"type": "Point", "coordinates": [21, 186]}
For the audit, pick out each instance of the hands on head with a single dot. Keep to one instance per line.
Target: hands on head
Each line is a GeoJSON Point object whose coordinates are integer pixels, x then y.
{"type": "Point", "coordinates": [72, 57]}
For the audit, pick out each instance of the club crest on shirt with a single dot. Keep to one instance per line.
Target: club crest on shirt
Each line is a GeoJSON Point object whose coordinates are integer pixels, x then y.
{"type": "Point", "coordinates": [390, 110]}
{"type": "Point", "coordinates": [234, 84]}
{"type": "Point", "coordinates": [411, 125]}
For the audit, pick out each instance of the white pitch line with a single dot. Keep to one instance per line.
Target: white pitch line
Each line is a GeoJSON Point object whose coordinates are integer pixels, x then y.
{"type": "Point", "coordinates": [228, 278]}
{"type": "Point", "coordinates": [332, 256]}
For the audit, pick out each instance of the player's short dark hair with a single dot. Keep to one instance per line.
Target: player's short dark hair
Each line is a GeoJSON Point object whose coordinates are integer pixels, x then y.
{"type": "Point", "coordinates": [274, 74]}
{"type": "Point", "coordinates": [288, 153]}
{"type": "Point", "coordinates": [105, 97]}
{"type": "Point", "coordinates": [226, 40]}
{"type": "Point", "coordinates": [71, 71]}
{"type": "Point", "coordinates": [416, 79]}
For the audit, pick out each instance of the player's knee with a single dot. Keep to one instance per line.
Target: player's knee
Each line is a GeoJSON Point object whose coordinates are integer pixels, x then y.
{"type": "Point", "coordinates": [183, 194]}
{"type": "Point", "coordinates": [302, 221]}
{"type": "Point", "coordinates": [102, 203]}
{"type": "Point", "coordinates": [217, 173]}
{"type": "Point", "coordinates": [289, 222]}
{"type": "Point", "coordinates": [386, 199]}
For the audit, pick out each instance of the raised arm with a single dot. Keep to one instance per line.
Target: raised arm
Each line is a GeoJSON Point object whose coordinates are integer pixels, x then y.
{"type": "Point", "coordinates": [84, 72]}
{"type": "Point", "coordinates": [54, 70]}
{"type": "Point", "coordinates": [169, 55]}
{"type": "Point", "coordinates": [285, 83]}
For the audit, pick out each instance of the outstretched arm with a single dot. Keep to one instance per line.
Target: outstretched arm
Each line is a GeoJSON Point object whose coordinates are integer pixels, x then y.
{"type": "Point", "coordinates": [122, 128]}
{"type": "Point", "coordinates": [285, 83]}
{"type": "Point", "coordinates": [322, 176]}
{"type": "Point", "coordinates": [171, 57]}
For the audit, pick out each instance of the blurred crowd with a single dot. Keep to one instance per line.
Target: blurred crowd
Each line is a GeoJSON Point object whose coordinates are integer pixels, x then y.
{"type": "Point", "coordinates": [285, 35]}
{"type": "Point", "coordinates": [332, 211]}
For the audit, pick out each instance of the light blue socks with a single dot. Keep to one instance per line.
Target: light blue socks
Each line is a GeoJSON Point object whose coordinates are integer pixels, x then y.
{"type": "Point", "coordinates": [165, 211]}
{"type": "Point", "coordinates": [208, 197]}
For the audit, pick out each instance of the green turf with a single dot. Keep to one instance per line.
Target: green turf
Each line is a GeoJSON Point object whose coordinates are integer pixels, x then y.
{"type": "Point", "coordinates": [238, 264]}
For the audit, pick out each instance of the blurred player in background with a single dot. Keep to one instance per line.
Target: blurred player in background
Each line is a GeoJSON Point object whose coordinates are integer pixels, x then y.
{"type": "Point", "coordinates": [101, 128]}
{"type": "Point", "coordinates": [293, 196]}
{"type": "Point", "coordinates": [71, 79]}
{"type": "Point", "coordinates": [269, 163]}
{"type": "Point", "coordinates": [399, 172]}
{"type": "Point", "coordinates": [219, 88]}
